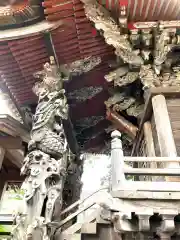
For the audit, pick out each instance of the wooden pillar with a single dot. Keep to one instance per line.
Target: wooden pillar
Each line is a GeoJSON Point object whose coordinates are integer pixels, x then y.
{"type": "Point", "coordinates": [164, 132]}
{"type": "Point", "coordinates": [117, 162]}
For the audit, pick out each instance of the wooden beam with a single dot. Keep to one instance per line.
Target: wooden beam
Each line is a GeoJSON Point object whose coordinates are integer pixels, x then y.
{"type": "Point", "coordinates": [15, 156]}
{"type": "Point", "coordinates": [168, 92]}
{"type": "Point", "coordinates": [12, 127]}
{"type": "Point", "coordinates": [164, 132]}
{"type": "Point", "coordinates": [11, 142]}
{"type": "Point", "coordinates": [152, 159]}
{"type": "Point", "coordinates": [6, 89]}
{"type": "Point", "coordinates": [35, 29]}
{"type": "Point", "coordinates": [151, 186]}
{"type": "Point", "coordinates": [121, 123]}
{"type": "Point", "coordinates": [152, 172]}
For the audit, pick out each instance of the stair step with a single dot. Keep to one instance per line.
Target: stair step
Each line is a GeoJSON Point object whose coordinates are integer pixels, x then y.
{"type": "Point", "coordinates": [75, 236]}
{"type": "Point", "coordinates": [77, 226]}
{"type": "Point", "coordinates": [89, 228]}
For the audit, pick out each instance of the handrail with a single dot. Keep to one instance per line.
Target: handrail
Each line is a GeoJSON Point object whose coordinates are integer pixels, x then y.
{"type": "Point", "coordinates": [70, 217]}
{"type": "Point", "coordinates": [79, 202]}
{"type": "Point", "coordinates": [79, 211]}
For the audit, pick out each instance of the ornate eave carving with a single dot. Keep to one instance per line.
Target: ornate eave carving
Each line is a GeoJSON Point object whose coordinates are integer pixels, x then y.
{"type": "Point", "coordinates": [112, 33]}
{"type": "Point", "coordinates": [86, 93]}
{"type": "Point", "coordinates": [88, 122]}
{"type": "Point", "coordinates": [81, 66]}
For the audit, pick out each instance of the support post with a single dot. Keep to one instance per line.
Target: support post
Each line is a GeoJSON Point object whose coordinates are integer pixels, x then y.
{"type": "Point", "coordinates": [164, 132]}
{"type": "Point", "coordinates": [117, 162]}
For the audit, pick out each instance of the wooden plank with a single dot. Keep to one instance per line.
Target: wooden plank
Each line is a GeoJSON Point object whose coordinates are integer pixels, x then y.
{"type": "Point", "coordinates": [168, 92]}
{"type": "Point", "coordinates": [149, 139]}
{"type": "Point", "coordinates": [77, 226]}
{"type": "Point", "coordinates": [11, 142]}
{"type": "Point", "coordinates": [12, 127]}
{"type": "Point", "coordinates": [89, 228]}
{"type": "Point", "coordinates": [173, 102]}
{"type": "Point", "coordinates": [146, 195]}
{"type": "Point", "coordinates": [75, 236]}
{"type": "Point", "coordinates": [164, 131]}
{"type": "Point", "coordinates": [32, 30]}
{"type": "Point", "coordinates": [151, 159]}
{"type": "Point", "coordinates": [70, 217]}
{"type": "Point", "coordinates": [145, 117]}
{"type": "Point", "coordinates": [152, 172]}
{"type": "Point", "coordinates": [151, 186]}
{"type": "Point", "coordinates": [16, 156]}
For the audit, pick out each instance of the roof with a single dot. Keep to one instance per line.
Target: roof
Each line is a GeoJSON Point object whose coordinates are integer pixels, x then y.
{"type": "Point", "coordinates": [74, 39]}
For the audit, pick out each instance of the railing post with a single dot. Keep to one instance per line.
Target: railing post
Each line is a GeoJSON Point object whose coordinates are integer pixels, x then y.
{"type": "Point", "coordinates": [164, 131]}
{"type": "Point", "coordinates": [117, 161]}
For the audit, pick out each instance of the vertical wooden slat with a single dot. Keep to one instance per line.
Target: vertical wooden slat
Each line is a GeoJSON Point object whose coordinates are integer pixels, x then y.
{"type": "Point", "coordinates": [150, 149]}
{"type": "Point", "coordinates": [149, 139]}
{"type": "Point", "coordinates": [164, 132]}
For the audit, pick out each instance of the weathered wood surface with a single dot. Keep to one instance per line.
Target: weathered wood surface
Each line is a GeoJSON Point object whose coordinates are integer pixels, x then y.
{"type": "Point", "coordinates": [173, 106]}
{"type": "Point", "coordinates": [164, 132]}
{"type": "Point", "coordinates": [152, 159]}
{"type": "Point", "coordinates": [135, 194]}
{"type": "Point", "coordinates": [155, 137]}
{"type": "Point", "coordinates": [149, 139]}
{"type": "Point", "coordinates": [16, 156]}
{"type": "Point", "coordinates": [11, 142]}
{"type": "Point", "coordinates": [153, 172]}
{"type": "Point", "coordinates": [169, 93]}
{"type": "Point", "coordinates": [12, 127]}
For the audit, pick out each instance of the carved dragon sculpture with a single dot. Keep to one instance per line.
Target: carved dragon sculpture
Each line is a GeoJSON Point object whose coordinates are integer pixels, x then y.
{"type": "Point", "coordinates": [49, 163]}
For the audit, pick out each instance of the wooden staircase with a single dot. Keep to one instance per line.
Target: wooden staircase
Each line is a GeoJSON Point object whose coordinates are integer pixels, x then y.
{"type": "Point", "coordinates": [129, 200]}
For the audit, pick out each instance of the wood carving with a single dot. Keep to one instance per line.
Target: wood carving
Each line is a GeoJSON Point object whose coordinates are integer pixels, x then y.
{"type": "Point", "coordinates": [49, 160]}
{"type": "Point", "coordinates": [146, 50]}
{"type": "Point", "coordinates": [112, 33]}
{"type": "Point", "coordinates": [82, 66]}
